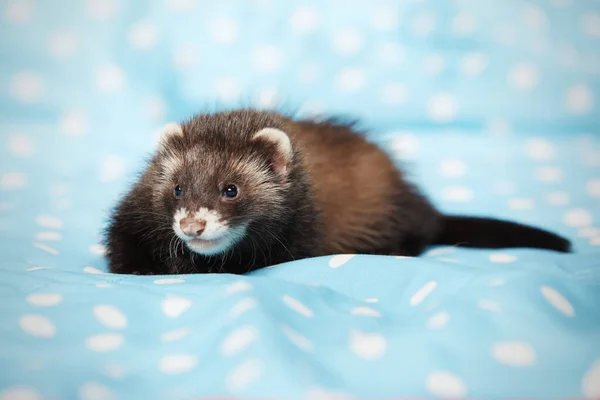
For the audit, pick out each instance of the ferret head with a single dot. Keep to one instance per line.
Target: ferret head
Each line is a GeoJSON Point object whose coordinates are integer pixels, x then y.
{"type": "Point", "coordinates": [217, 178]}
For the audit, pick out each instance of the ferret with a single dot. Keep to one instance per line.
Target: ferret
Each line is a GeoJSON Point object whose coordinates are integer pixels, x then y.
{"type": "Point", "coordinates": [235, 191]}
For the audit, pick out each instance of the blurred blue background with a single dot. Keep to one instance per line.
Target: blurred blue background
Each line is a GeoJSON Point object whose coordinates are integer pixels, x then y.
{"type": "Point", "coordinates": [493, 107]}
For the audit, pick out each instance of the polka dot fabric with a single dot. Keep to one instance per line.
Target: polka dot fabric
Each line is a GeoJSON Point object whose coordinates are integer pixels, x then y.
{"type": "Point", "coordinates": [492, 113]}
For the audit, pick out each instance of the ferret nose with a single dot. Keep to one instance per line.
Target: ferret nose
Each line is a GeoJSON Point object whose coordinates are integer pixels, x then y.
{"type": "Point", "coordinates": [192, 227]}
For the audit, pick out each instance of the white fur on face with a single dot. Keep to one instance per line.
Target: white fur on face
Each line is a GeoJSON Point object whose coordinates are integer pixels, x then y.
{"type": "Point", "coordinates": [217, 236]}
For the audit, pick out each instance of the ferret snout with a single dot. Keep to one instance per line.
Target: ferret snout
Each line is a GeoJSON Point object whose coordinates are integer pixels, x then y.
{"type": "Point", "coordinates": [192, 226]}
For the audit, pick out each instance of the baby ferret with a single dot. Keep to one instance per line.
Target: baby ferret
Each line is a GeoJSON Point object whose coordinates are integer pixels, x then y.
{"type": "Point", "coordinates": [236, 191]}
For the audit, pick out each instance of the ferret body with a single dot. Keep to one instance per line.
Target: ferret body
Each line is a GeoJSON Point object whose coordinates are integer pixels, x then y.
{"type": "Point", "coordinates": [237, 191]}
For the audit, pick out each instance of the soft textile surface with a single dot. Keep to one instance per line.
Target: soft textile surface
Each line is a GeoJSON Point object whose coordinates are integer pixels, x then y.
{"type": "Point", "coordinates": [492, 113]}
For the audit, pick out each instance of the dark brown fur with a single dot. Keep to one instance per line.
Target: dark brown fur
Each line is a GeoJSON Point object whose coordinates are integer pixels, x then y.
{"type": "Point", "coordinates": [342, 194]}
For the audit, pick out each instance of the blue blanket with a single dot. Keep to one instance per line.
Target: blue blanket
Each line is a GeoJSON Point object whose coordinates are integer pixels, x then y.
{"type": "Point", "coordinates": [490, 114]}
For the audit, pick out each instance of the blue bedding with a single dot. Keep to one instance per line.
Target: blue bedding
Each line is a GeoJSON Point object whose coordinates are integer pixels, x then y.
{"type": "Point", "coordinates": [491, 116]}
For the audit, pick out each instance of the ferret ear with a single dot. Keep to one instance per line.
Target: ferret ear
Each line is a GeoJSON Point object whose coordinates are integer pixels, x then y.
{"type": "Point", "coordinates": [169, 130]}
{"type": "Point", "coordinates": [282, 157]}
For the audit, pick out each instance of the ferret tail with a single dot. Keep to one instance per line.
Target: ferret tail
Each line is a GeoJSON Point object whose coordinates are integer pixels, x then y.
{"type": "Point", "coordinates": [494, 234]}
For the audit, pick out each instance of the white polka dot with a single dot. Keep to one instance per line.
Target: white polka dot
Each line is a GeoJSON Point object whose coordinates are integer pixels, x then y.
{"type": "Point", "coordinates": [20, 145]}
{"type": "Point", "coordinates": [390, 54]}
{"type": "Point", "coordinates": [515, 354]}
{"type": "Point", "coordinates": [102, 9]}
{"type": "Point", "coordinates": [423, 24]}
{"type": "Point", "coordinates": [372, 300]}
{"type": "Point", "coordinates": [44, 299]}
{"type": "Point", "coordinates": [368, 346]}
{"type": "Point", "coordinates": [20, 11]}
{"type": "Point", "coordinates": [351, 79]}
{"type": "Point", "coordinates": [489, 305]}
{"type": "Point", "coordinates": [74, 123]}
{"type": "Point", "coordinates": [578, 217]}
{"type": "Point", "coordinates": [558, 198]}
{"type": "Point", "coordinates": [302, 342]}
{"type": "Point", "coordinates": [365, 312]}
{"type": "Point", "coordinates": [174, 335]}
{"type": "Point", "coordinates": [440, 251]}
{"type": "Point", "coordinates": [595, 241]}
{"type": "Point", "coordinates": [239, 286]}
{"type": "Point", "coordinates": [242, 307]}
{"type": "Point", "coordinates": [434, 64]}
{"type": "Point", "coordinates": [445, 385]}
{"type": "Point", "coordinates": [48, 221]}
{"type": "Point", "coordinates": [224, 30]}
{"type": "Point", "coordinates": [228, 89]}
{"type": "Point", "coordinates": [97, 249]}
{"type": "Point", "coordinates": [521, 204]}
{"type": "Point", "coordinates": [588, 232]}
{"type": "Point", "coordinates": [103, 285]}
{"type": "Point", "coordinates": [540, 149]}
{"type": "Point", "coordinates": [339, 260]}
{"type": "Point", "coordinates": [37, 268]}
{"type": "Point", "coordinates": [593, 187]}
{"type": "Point", "coordinates": [142, 35]}
{"type": "Point", "coordinates": [534, 16]}
{"type": "Point", "coordinates": [111, 169]}
{"type": "Point", "coordinates": [177, 363]}
{"type": "Point", "coordinates": [393, 94]}
{"type": "Point", "coordinates": [405, 144]}
{"type": "Point", "coordinates": [498, 126]}
{"type": "Point", "coordinates": [442, 108]}
{"type": "Point", "coordinates": [385, 18]}
{"type": "Point", "coordinates": [109, 79]}
{"type": "Point", "coordinates": [309, 72]}
{"type": "Point", "coordinates": [473, 64]}
{"type": "Point", "coordinates": [504, 188]}
{"type": "Point", "coordinates": [115, 371]}
{"type": "Point", "coordinates": [244, 374]}
{"type": "Point", "coordinates": [20, 392]}
{"type": "Point", "coordinates": [579, 99]}
{"type": "Point", "coordinates": [174, 306]}
{"type": "Point", "coordinates": [438, 320]}
{"type": "Point", "coordinates": [155, 108]}
{"type": "Point", "coordinates": [347, 42]}
{"type": "Point", "coordinates": [27, 86]}
{"type": "Point", "coordinates": [590, 384]}
{"type": "Point", "coordinates": [502, 258]}
{"type": "Point", "coordinates": [95, 391]}
{"type": "Point", "coordinates": [463, 24]}
{"type": "Point", "coordinates": [181, 5]}
{"type": "Point", "coordinates": [267, 58]}
{"type": "Point", "coordinates": [46, 248]}
{"type": "Point", "coordinates": [523, 77]}
{"type": "Point", "coordinates": [304, 20]}
{"type": "Point", "coordinates": [506, 34]}
{"type": "Point", "coordinates": [422, 293]}
{"type": "Point", "coordinates": [458, 194]}
{"type": "Point", "coordinates": [103, 342]}
{"type": "Point", "coordinates": [63, 44]}
{"type": "Point", "coordinates": [453, 168]}
{"type": "Point", "coordinates": [185, 57]}
{"type": "Point", "coordinates": [110, 316]}
{"type": "Point", "coordinates": [238, 340]}
{"type": "Point", "coordinates": [37, 325]}
{"type": "Point", "coordinates": [92, 270]}
{"type": "Point", "coordinates": [318, 393]}
{"type": "Point", "coordinates": [497, 282]}
{"type": "Point", "coordinates": [297, 306]}
{"type": "Point", "coordinates": [558, 301]}
{"type": "Point", "coordinates": [591, 24]}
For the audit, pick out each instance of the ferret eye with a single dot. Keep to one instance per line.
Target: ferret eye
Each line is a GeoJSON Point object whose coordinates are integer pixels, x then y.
{"type": "Point", "coordinates": [177, 191]}
{"type": "Point", "coordinates": [231, 191]}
